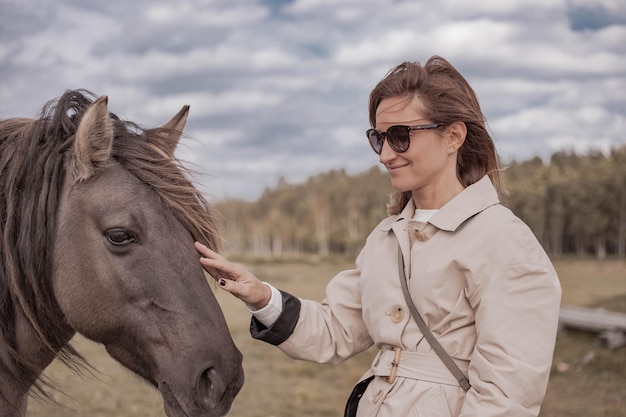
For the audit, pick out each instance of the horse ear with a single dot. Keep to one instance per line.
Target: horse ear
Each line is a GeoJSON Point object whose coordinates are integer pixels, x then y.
{"type": "Point", "coordinates": [94, 140]}
{"type": "Point", "coordinates": [172, 131]}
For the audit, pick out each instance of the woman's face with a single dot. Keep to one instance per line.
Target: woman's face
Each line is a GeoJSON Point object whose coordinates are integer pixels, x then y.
{"type": "Point", "coordinates": [428, 167]}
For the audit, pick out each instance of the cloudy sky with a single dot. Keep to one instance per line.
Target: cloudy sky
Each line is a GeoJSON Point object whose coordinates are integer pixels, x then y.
{"type": "Point", "coordinates": [279, 87]}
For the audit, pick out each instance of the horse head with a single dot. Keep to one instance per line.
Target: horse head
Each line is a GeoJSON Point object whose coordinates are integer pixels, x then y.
{"type": "Point", "coordinates": [124, 270]}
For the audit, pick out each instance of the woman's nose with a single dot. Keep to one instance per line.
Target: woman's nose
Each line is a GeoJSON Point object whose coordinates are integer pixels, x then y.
{"type": "Point", "coordinates": [386, 153]}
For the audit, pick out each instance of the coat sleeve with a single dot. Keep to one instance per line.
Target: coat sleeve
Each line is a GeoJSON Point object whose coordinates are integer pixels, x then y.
{"type": "Point", "coordinates": [283, 327]}
{"type": "Point", "coordinates": [516, 315]}
{"type": "Point", "coordinates": [329, 331]}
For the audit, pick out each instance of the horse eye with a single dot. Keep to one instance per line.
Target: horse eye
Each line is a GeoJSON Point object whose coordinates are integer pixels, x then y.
{"type": "Point", "coordinates": [120, 237]}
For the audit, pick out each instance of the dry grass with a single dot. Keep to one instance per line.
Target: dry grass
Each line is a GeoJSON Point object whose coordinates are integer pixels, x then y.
{"type": "Point", "coordinates": [277, 386]}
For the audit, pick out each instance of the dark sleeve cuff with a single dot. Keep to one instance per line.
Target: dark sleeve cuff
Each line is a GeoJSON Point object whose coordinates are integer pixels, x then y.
{"type": "Point", "coordinates": [283, 327]}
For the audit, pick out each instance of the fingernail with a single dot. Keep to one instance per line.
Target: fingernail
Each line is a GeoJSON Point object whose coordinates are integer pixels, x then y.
{"type": "Point", "coordinates": [222, 282]}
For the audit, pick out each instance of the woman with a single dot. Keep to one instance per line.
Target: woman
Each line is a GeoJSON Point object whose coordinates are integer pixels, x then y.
{"type": "Point", "coordinates": [479, 278]}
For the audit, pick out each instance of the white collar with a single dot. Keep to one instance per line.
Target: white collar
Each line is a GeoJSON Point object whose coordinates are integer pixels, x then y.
{"type": "Point", "coordinates": [423, 215]}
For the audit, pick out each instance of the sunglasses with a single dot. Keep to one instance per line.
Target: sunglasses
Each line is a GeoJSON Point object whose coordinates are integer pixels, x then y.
{"type": "Point", "coordinates": [398, 137]}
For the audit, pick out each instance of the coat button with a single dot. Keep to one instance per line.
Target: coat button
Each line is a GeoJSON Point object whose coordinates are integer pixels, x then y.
{"type": "Point", "coordinates": [420, 236]}
{"type": "Point", "coordinates": [397, 314]}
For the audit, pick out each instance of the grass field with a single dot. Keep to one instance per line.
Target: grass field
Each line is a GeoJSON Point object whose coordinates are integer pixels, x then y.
{"type": "Point", "coordinates": [587, 379]}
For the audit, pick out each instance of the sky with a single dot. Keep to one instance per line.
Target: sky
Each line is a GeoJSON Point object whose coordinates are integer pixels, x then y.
{"type": "Point", "coordinates": [279, 88]}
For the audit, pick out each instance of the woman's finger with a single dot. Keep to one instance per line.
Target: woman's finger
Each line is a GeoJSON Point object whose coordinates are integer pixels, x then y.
{"type": "Point", "coordinates": [205, 252]}
{"type": "Point", "coordinates": [233, 277]}
{"type": "Point", "coordinates": [215, 264]}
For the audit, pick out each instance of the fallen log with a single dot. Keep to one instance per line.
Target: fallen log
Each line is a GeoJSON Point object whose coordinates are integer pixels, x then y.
{"type": "Point", "coordinates": [610, 325]}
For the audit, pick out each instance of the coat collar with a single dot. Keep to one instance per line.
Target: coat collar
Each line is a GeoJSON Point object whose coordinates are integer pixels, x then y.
{"type": "Point", "coordinates": [471, 201]}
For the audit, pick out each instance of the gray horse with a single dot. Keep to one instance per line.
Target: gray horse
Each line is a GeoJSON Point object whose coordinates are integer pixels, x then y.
{"type": "Point", "coordinates": [97, 224]}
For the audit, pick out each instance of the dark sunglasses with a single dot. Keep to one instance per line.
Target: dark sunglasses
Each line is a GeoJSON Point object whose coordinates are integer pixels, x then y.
{"type": "Point", "coordinates": [398, 137]}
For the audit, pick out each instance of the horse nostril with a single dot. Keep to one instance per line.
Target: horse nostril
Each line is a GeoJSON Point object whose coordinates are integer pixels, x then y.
{"type": "Point", "coordinates": [210, 388]}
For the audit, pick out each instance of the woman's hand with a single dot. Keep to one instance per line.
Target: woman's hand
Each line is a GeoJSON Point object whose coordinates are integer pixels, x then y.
{"type": "Point", "coordinates": [234, 278]}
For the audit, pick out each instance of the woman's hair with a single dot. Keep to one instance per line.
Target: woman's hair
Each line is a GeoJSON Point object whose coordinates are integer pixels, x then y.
{"type": "Point", "coordinates": [446, 98]}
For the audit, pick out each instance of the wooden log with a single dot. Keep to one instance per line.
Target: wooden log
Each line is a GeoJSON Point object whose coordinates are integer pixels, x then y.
{"type": "Point", "coordinates": [610, 325]}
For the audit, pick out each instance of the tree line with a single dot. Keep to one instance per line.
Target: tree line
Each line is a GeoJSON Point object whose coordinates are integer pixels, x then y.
{"type": "Point", "coordinates": [574, 203]}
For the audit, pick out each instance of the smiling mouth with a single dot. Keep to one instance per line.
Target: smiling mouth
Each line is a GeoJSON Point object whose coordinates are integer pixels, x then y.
{"type": "Point", "coordinates": [394, 168]}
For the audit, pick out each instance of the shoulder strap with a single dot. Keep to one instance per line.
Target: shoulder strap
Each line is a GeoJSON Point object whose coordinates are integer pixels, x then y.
{"type": "Point", "coordinates": [432, 340]}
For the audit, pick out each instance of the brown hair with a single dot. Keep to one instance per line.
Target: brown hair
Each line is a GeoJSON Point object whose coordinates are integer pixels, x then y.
{"type": "Point", "coordinates": [447, 97]}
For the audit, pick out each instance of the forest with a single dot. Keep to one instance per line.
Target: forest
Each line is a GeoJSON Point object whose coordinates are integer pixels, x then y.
{"type": "Point", "coordinates": [574, 203]}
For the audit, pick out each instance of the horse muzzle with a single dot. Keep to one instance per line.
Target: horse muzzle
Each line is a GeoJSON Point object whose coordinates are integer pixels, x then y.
{"type": "Point", "coordinates": [211, 395]}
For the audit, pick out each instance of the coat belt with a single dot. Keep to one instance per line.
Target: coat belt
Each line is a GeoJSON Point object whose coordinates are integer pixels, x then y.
{"type": "Point", "coordinates": [394, 362]}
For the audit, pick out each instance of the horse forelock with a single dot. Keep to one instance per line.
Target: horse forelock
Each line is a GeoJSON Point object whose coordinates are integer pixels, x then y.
{"type": "Point", "coordinates": [171, 180]}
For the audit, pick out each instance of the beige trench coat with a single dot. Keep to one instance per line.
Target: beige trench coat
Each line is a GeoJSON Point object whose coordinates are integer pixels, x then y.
{"type": "Point", "coordinates": [481, 282]}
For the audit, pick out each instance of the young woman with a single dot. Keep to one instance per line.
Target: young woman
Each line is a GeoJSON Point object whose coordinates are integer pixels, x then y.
{"type": "Point", "coordinates": [481, 282]}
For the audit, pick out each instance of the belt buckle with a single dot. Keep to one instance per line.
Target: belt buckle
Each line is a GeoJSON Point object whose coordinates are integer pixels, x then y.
{"type": "Point", "coordinates": [394, 365]}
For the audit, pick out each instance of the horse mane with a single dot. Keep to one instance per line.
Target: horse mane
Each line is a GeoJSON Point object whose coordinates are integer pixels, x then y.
{"type": "Point", "coordinates": [32, 173]}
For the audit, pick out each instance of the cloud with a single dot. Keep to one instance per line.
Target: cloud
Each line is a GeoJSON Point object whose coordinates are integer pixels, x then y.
{"type": "Point", "coordinates": [280, 88]}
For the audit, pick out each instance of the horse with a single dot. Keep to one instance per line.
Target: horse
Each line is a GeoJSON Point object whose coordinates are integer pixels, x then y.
{"type": "Point", "coordinates": [97, 224]}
